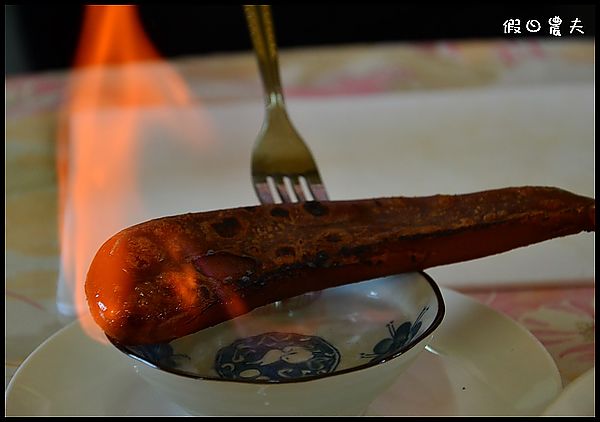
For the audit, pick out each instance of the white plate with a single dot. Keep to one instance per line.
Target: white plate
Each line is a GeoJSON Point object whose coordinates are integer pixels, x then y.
{"type": "Point", "coordinates": [577, 399]}
{"type": "Point", "coordinates": [480, 363]}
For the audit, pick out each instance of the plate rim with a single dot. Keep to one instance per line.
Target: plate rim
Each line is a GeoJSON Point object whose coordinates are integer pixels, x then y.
{"type": "Point", "coordinates": [74, 328]}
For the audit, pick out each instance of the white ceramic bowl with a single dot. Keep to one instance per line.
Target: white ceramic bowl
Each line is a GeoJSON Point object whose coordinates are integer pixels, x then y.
{"type": "Point", "coordinates": [330, 356]}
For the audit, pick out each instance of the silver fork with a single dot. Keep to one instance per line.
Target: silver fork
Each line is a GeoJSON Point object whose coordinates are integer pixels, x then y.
{"type": "Point", "coordinates": [283, 168]}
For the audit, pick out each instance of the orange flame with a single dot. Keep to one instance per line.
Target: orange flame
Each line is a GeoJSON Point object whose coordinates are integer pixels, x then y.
{"type": "Point", "coordinates": [119, 77]}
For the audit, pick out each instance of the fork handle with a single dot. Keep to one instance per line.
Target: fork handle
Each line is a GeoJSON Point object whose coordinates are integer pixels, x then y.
{"type": "Point", "coordinates": [260, 24]}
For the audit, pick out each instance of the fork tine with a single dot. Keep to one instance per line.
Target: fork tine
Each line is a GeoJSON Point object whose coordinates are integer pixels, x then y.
{"type": "Point", "coordinates": [318, 191]}
{"type": "Point", "coordinates": [316, 187]}
{"type": "Point", "coordinates": [297, 185]}
{"type": "Point", "coordinates": [282, 189]}
{"type": "Point", "coordinates": [263, 191]}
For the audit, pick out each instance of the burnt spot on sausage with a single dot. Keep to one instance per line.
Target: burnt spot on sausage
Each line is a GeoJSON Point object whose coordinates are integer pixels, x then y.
{"type": "Point", "coordinates": [250, 209]}
{"type": "Point", "coordinates": [204, 292]}
{"type": "Point", "coordinates": [285, 251]}
{"type": "Point", "coordinates": [355, 251]}
{"type": "Point", "coordinates": [316, 208]}
{"type": "Point", "coordinates": [243, 282]}
{"type": "Point", "coordinates": [260, 282]}
{"type": "Point", "coordinates": [333, 238]}
{"type": "Point", "coordinates": [290, 268]}
{"type": "Point", "coordinates": [322, 258]}
{"type": "Point", "coordinates": [228, 227]}
{"type": "Point", "coordinates": [280, 212]}
{"type": "Point", "coordinates": [416, 257]}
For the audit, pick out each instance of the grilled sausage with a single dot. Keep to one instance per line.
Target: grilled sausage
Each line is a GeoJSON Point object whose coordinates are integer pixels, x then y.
{"type": "Point", "coordinates": [173, 276]}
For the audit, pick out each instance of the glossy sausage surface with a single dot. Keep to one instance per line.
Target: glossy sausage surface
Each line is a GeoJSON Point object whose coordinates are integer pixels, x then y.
{"type": "Point", "coordinates": [169, 277]}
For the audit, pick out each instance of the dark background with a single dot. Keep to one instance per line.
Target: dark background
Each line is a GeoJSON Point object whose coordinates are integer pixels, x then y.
{"type": "Point", "coordinates": [44, 37]}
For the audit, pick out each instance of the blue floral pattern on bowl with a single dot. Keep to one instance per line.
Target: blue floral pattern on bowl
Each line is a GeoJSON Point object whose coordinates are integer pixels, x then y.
{"type": "Point", "coordinates": [343, 332]}
{"type": "Point", "coordinates": [276, 356]}
{"type": "Point", "coordinates": [398, 338]}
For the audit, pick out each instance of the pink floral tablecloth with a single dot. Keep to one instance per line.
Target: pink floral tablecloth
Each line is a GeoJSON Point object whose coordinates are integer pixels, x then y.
{"type": "Point", "coordinates": [562, 318]}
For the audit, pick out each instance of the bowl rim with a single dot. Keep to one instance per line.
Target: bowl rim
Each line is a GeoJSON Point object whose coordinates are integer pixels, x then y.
{"type": "Point", "coordinates": [437, 320]}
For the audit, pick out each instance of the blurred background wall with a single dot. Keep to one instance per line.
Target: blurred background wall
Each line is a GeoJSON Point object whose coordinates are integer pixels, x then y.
{"type": "Point", "coordinates": [43, 37]}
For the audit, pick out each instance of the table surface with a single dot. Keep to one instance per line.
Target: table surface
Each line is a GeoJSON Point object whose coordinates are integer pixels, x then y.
{"type": "Point", "coordinates": [561, 316]}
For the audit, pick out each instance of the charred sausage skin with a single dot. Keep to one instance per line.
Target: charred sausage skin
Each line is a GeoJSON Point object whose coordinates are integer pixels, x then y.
{"type": "Point", "coordinates": [169, 277]}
